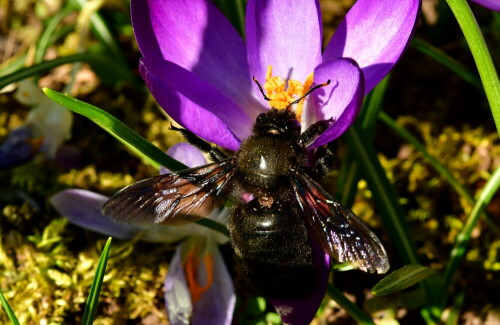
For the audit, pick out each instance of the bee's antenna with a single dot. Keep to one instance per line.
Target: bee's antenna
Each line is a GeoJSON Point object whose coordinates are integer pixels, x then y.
{"type": "Point", "coordinates": [308, 92]}
{"type": "Point", "coordinates": [260, 88]}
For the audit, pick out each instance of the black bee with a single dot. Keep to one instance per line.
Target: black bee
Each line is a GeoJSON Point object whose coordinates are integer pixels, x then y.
{"type": "Point", "coordinates": [278, 209]}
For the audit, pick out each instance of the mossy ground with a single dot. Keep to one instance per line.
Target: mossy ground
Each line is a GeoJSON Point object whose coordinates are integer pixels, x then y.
{"type": "Point", "coordinates": [47, 264]}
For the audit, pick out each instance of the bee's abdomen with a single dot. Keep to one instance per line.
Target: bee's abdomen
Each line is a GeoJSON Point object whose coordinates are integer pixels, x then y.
{"type": "Point", "coordinates": [273, 247]}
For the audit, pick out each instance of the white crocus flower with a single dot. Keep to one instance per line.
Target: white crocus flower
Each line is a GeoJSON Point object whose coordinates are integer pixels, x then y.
{"type": "Point", "coordinates": [198, 287]}
{"type": "Point", "coordinates": [47, 119]}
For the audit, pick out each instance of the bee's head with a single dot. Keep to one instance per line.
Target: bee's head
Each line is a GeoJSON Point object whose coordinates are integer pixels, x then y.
{"type": "Point", "coordinates": [277, 122]}
{"type": "Point", "coordinates": [281, 121]}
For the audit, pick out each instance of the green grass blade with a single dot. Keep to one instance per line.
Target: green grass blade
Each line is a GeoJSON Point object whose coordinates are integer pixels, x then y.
{"type": "Point", "coordinates": [449, 62]}
{"type": "Point", "coordinates": [214, 225]}
{"type": "Point", "coordinates": [349, 176]}
{"type": "Point", "coordinates": [351, 308]}
{"type": "Point", "coordinates": [462, 239]}
{"type": "Point", "coordinates": [10, 313]}
{"type": "Point", "coordinates": [440, 168]}
{"type": "Point", "coordinates": [12, 64]}
{"type": "Point", "coordinates": [103, 33]}
{"type": "Point", "coordinates": [454, 315]}
{"type": "Point", "coordinates": [95, 288]}
{"type": "Point", "coordinates": [392, 213]}
{"type": "Point", "coordinates": [46, 36]}
{"type": "Point", "coordinates": [373, 106]}
{"type": "Point", "coordinates": [482, 57]}
{"type": "Point", "coordinates": [142, 147]}
{"type": "Point", "coordinates": [402, 278]}
{"type": "Point", "coordinates": [50, 64]}
{"type": "Point", "coordinates": [234, 12]}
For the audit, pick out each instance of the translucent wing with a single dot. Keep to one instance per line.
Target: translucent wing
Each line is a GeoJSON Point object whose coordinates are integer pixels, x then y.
{"type": "Point", "coordinates": [341, 233]}
{"type": "Point", "coordinates": [172, 199]}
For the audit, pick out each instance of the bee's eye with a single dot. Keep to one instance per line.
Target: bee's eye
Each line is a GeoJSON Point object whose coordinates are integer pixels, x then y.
{"type": "Point", "coordinates": [261, 118]}
{"type": "Point", "coordinates": [293, 124]}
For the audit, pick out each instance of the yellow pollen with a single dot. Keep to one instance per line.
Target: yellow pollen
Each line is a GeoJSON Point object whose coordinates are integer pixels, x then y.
{"type": "Point", "coordinates": [190, 269]}
{"type": "Point", "coordinates": [282, 92]}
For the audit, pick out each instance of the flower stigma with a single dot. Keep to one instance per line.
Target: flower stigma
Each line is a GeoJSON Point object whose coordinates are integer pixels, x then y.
{"type": "Point", "coordinates": [191, 266]}
{"type": "Point", "coordinates": [281, 92]}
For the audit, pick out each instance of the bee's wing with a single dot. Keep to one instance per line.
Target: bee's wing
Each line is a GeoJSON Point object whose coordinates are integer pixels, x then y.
{"type": "Point", "coordinates": [172, 199]}
{"type": "Point", "coordinates": [340, 232]}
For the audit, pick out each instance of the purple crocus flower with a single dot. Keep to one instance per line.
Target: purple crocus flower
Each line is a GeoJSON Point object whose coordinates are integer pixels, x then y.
{"type": "Point", "coordinates": [198, 287]}
{"type": "Point", "coordinates": [490, 4]}
{"type": "Point", "coordinates": [200, 71]}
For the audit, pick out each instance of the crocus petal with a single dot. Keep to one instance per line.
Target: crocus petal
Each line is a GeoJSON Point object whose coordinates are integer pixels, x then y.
{"type": "Point", "coordinates": [28, 93]}
{"type": "Point", "coordinates": [18, 147]}
{"type": "Point", "coordinates": [216, 305]}
{"type": "Point", "coordinates": [83, 208]}
{"type": "Point", "coordinates": [187, 154]}
{"type": "Point", "coordinates": [286, 35]}
{"type": "Point", "coordinates": [374, 34]}
{"type": "Point", "coordinates": [195, 104]}
{"type": "Point", "coordinates": [340, 101]}
{"type": "Point", "coordinates": [52, 122]}
{"type": "Point", "coordinates": [177, 296]}
{"type": "Point", "coordinates": [301, 311]}
{"type": "Point", "coordinates": [195, 35]}
{"type": "Point", "coordinates": [490, 4]}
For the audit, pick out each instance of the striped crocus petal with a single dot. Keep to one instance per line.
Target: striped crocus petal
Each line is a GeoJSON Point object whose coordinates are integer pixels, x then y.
{"type": "Point", "coordinates": [198, 286]}
{"type": "Point", "coordinates": [83, 208]}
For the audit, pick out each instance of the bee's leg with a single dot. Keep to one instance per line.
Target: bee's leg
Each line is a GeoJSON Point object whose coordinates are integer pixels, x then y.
{"type": "Point", "coordinates": [325, 157]}
{"type": "Point", "coordinates": [313, 131]}
{"type": "Point", "coordinates": [214, 153]}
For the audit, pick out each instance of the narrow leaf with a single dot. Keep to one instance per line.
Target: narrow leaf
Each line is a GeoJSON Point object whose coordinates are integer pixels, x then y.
{"type": "Point", "coordinates": [449, 62]}
{"type": "Point", "coordinates": [440, 168]}
{"type": "Point", "coordinates": [142, 147]}
{"type": "Point", "coordinates": [349, 176]}
{"type": "Point", "coordinates": [462, 239]}
{"type": "Point", "coordinates": [50, 64]}
{"type": "Point", "coordinates": [214, 225]}
{"type": "Point", "coordinates": [351, 308]}
{"type": "Point", "coordinates": [401, 279]}
{"type": "Point", "coordinates": [95, 288]}
{"type": "Point", "coordinates": [391, 212]}
{"type": "Point", "coordinates": [480, 53]}
{"type": "Point", "coordinates": [10, 313]}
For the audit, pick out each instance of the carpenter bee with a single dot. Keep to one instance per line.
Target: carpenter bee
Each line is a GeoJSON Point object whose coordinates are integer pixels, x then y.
{"type": "Point", "coordinates": [279, 209]}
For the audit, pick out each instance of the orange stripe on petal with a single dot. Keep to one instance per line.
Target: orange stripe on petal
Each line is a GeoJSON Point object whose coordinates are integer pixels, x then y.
{"type": "Point", "coordinates": [191, 267]}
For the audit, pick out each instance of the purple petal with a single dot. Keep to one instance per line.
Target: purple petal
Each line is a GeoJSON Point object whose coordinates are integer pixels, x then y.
{"type": "Point", "coordinates": [18, 147]}
{"type": "Point", "coordinates": [286, 35]}
{"type": "Point", "coordinates": [216, 305]}
{"type": "Point", "coordinates": [195, 104]}
{"type": "Point", "coordinates": [340, 101]}
{"type": "Point", "coordinates": [83, 208]}
{"type": "Point", "coordinates": [374, 34]}
{"type": "Point", "coordinates": [187, 154]}
{"type": "Point", "coordinates": [177, 296]}
{"type": "Point", "coordinates": [302, 311]}
{"type": "Point", "coordinates": [196, 36]}
{"type": "Point", "coordinates": [490, 4]}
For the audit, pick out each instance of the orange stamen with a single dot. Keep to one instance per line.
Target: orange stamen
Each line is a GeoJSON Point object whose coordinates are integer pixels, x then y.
{"type": "Point", "coordinates": [282, 92]}
{"type": "Point", "coordinates": [191, 269]}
